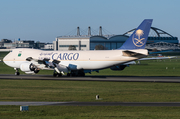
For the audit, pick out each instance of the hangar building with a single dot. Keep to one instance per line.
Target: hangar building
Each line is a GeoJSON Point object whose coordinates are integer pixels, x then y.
{"type": "Point", "coordinates": [90, 42]}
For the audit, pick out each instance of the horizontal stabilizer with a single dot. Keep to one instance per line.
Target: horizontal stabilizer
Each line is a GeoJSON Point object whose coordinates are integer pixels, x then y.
{"type": "Point", "coordinates": [158, 58]}
{"type": "Point", "coordinates": [133, 54]}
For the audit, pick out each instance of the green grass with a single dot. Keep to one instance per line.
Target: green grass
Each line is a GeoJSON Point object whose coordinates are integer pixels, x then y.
{"type": "Point", "coordinates": [54, 90]}
{"type": "Point", "coordinates": [3, 54]}
{"type": "Point", "coordinates": [89, 112]}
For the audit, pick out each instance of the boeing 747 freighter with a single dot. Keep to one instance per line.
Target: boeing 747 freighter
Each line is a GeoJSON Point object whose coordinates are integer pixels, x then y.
{"type": "Point", "coordinates": [77, 63]}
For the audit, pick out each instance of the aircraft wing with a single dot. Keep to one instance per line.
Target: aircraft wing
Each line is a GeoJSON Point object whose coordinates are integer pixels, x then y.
{"type": "Point", "coordinates": [122, 66]}
{"type": "Point", "coordinates": [156, 58]}
{"type": "Point", "coordinates": [129, 63]}
{"type": "Point", "coordinates": [44, 63]}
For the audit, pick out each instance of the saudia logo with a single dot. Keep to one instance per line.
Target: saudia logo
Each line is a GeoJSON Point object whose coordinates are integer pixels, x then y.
{"type": "Point", "coordinates": [140, 41]}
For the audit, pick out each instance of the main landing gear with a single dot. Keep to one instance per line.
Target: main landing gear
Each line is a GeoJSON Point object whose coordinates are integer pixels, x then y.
{"type": "Point", "coordinates": [17, 72]}
{"type": "Point", "coordinates": [56, 74]}
{"type": "Point", "coordinates": [79, 73]}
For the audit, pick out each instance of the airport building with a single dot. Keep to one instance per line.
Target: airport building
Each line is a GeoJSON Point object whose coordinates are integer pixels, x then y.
{"type": "Point", "coordinates": [19, 44]}
{"type": "Point", "coordinates": [48, 46]}
{"type": "Point", "coordinates": [8, 44]}
{"type": "Point", "coordinates": [3, 41]}
{"type": "Point", "coordinates": [109, 42]}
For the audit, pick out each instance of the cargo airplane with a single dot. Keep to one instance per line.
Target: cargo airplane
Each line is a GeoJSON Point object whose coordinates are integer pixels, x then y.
{"type": "Point", "coordinates": [77, 63]}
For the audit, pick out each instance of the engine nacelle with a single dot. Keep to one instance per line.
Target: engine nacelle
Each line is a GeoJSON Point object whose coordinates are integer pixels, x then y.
{"type": "Point", "coordinates": [119, 67]}
{"type": "Point", "coordinates": [25, 67]}
{"type": "Point", "coordinates": [28, 68]}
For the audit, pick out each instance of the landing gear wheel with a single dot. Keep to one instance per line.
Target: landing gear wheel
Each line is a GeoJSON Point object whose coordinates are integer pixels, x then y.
{"type": "Point", "coordinates": [68, 74]}
{"type": "Point", "coordinates": [76, 73]}
{"type": "Point", "coordinates": [81, 74]}
{"type": "Point", "coordinates": [57, 74]}
{"type": "Point", "coordinates": [36, 71]}
{"type": "Point", "coordinates": [17, 73]}
{"type": "Point", "coordinates": [54, 74]}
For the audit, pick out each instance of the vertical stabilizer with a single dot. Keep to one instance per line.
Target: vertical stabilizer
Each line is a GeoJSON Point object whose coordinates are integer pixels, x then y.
{"type": "Point", "coordinates": [139, 37]}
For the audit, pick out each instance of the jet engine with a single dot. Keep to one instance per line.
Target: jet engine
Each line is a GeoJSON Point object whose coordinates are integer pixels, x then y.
{"type": "Point", "coordinates": [28, 68]}
{"type": "Point", "coordinates": [119, 67]}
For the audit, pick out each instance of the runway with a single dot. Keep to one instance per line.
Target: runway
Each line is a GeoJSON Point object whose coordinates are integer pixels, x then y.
{"type": "Point", "coordinates": [96, 78]}
{"type": "Point", "coordinates": [161, 104]}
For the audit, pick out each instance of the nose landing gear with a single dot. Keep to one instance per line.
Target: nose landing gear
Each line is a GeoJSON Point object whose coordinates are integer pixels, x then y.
{"type": "Point", "coordinates": [17, 71]}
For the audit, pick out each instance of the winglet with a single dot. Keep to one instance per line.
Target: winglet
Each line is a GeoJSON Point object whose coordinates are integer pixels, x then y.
{"type": "Point", "coordinates": [139, 37]}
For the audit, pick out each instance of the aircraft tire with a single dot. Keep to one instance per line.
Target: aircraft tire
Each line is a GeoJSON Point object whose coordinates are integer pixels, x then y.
{"type": "Point", "coordinates": [68, 74]}
{"type": "Point", "coordinates": [54, 74]}
{"type": "Point", "coordinates": [59, 75]}
{"type": "Point", "coordinates": [81, 73]}
{"type": "Point", "coordinates": [17, 73]}
{"type": "Point", "coordinates": [36, 71]}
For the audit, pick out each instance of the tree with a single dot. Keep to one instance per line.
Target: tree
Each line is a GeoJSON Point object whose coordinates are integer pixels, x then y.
{"type": "Point", "coordinates": [72, 47]}
{"type": "Point", "coordinates": [100, 47]}
{"type": "Point", "coordinates": [154, 50]}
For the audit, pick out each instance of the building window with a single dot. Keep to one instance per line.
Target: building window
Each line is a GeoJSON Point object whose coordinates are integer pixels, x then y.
{"type": "Point", "coordinates": [113, 46]}
{"type": "Point", "coordinates": [67, 45]}
{"type": "Point", "coordinates": [83, 45]}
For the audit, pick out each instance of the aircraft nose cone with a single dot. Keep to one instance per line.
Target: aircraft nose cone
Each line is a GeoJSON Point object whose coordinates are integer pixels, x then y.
{"type": "Point", "coordinates": [5, 59]}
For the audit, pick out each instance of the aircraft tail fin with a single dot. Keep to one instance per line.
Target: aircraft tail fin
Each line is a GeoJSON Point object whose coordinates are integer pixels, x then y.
{"type": "Point", "coordinates": [138, 39]}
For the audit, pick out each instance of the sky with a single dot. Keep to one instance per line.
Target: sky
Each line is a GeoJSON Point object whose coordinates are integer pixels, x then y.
{"type": "Point", "coordinates": [44, 20]}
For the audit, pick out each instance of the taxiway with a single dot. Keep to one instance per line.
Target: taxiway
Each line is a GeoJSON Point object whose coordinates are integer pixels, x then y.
{"type": "Point", "coordinates": [167, 104]}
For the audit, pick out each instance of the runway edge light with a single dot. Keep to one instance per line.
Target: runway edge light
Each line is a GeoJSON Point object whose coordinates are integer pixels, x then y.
{"type": "Point", "coordinates": [97, 97]}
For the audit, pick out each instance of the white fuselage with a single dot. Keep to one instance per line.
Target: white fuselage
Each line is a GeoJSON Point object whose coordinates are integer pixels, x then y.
{"type": "Point", "coordinates": [73, 60]}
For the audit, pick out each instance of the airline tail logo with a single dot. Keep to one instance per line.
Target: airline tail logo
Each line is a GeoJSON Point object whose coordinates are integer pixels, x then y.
{"type": "Point", "coordinates": [138, 41]}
